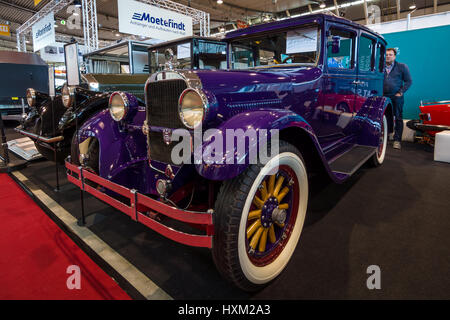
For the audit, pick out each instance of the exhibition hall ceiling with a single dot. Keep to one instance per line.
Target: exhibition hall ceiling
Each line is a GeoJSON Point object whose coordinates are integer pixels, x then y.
{"type": "Point", "coordinates": [16, 12]}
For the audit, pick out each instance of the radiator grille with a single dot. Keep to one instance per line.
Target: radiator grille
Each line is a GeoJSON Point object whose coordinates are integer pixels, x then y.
{"type": "Point", "coordinates": [162, 103]}
{"type": "Point", "coordinates": [162, 111]}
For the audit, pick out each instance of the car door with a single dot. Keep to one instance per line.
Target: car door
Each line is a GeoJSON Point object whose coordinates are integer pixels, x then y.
{"type": "Point", "coordinates": [339, 85]}
{"type": "Point", "coordinates": [370, 75]}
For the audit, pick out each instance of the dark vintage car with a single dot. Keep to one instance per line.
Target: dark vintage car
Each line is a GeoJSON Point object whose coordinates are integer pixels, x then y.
{"type": "Point", "coordinates": [49, 130]}
{"type": "Point", "coordinates": [52, 123]}
{"type": "Point", "coordinates": [189, 155]}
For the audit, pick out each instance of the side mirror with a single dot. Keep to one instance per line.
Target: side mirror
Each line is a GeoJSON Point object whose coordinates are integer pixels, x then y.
{"type": "Point", "coordinates": [335, 44]}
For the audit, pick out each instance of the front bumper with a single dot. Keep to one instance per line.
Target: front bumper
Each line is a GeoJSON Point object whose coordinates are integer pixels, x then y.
{"type": "Point", "coordinates": [36, 137]}
{"type": "Point", "coordinates": [139, 204]}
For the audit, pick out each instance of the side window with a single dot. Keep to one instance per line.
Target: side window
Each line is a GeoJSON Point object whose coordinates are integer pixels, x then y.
{"type": "Point", "coordinates": [340, 49]}
{"type": "Point", "coordinates": [365, 55]}
{"type": "Point", "coordinates": [381, 52]}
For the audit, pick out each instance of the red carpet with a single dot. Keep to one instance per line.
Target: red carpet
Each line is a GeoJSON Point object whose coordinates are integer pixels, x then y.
{"type": "Point", "coordinates": [35, 254]}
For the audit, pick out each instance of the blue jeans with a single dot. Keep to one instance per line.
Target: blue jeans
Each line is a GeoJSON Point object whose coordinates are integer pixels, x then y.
{"type": "Point", "coordinates": [397, 103]}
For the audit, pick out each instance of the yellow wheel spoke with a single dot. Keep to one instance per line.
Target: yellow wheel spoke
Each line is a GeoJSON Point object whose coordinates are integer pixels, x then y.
{"type": "Point", "coordinates": [264, 193]}
{"type": "Point", "coordinates": [278, 186]}
{"type": "Point", "coordinates": [281, 225]}
{"type": "Point", "coordinates": [284, 206]}
{"type": "Point", "coordinates": [258, 202]}
{"type": "Point", "coordinates": [282, 194]}
{"type": "Point", "coordinates": [271, 184]}
{"type": "Point", "coordinates": [263, 241]}
{"type": "Point", "coordinates": [272, 237]}
{"type": "Point", "coordinates": [251, 230]}
{"type": "Point", "coordinates": [254, 214]}
{"type": "Point", "coordinates": [255, 239]}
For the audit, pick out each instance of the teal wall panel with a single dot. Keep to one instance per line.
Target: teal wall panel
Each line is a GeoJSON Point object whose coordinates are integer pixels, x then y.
{"type": "Point", "coordinates": [427, 54]}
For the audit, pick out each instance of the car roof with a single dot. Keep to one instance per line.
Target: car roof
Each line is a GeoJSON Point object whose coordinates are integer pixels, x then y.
{"type": "Point", "coordinates": [291, 22]}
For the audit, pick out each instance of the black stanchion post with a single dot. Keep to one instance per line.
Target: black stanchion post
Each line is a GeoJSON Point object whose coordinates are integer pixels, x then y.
{"type": "Point", "coordinates": [55, 147]}
{"type": "Point", "coordinates": [82, 221]}
{"type": "Point", "coordinates": [73, 79]}
{"type": "Point", "coordinates": [51, 89]}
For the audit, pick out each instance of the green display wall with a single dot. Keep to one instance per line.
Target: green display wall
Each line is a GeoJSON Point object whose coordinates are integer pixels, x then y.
{"type": "Point", "coordinates": [427, 54]}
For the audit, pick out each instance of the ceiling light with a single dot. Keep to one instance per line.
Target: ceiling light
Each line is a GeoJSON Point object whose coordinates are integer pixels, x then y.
{"type": "Point", "coordinates": [117, 34]}
{"type": "Point", "coordinates": [322, 5]}
{"type": "Point", "coordinates": [219, 1]}
{"type": "Point", "coordinates": [77, 3]}
{"type": "Point", "coordinates": [413, 6]}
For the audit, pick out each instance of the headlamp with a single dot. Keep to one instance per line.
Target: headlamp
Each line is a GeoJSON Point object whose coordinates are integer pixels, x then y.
{"type": "Point", "coordinates": [191, 107]}
{"type": "Point", "coordinates": [118, 105]}
{"type": "Point", "coordinates": [67, 94]}
{"type": "Point", "coordinates": [31, 97]}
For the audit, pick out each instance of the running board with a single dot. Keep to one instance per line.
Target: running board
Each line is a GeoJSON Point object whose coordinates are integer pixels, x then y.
{"type": "Point", "coordinates": [352, 160]}
{"type": "Point", "coordinates": [24, 148]}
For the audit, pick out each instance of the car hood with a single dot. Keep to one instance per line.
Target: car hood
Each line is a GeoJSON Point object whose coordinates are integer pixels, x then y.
{"type": "Point", "coordinates": [235, 91]}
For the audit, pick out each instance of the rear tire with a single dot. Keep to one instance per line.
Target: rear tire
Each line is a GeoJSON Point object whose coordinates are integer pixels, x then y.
{"type": "Point", "coordinates": [248, 261]}
{"type": "Point", "coordinates": [380, 155]}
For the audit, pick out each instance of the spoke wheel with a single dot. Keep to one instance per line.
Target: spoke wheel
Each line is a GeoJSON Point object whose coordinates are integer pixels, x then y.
{"type": "Point", "coordinates": [272, 216]}
{"type": "Point", "coordinates": [259, 219]}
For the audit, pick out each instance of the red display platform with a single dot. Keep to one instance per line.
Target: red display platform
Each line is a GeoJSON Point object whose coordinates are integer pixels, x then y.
{"type": "Point", "coordinates": [35, 255]}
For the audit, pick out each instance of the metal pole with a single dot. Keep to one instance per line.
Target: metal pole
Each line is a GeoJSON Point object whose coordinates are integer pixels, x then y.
{"type": "Point", "coordinates": [55, 145]}
{"type": "Point", "coordinates": [82, 221]}
{"type": "Point", "coordinates": [366, 13]}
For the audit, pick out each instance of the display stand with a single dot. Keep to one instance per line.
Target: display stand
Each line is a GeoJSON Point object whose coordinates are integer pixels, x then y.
{"type": "Point", "coordinates": [7, 166]}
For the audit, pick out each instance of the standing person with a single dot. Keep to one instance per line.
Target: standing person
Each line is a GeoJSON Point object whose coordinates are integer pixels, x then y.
{"type": "Point", "coordinates": [397, 80]}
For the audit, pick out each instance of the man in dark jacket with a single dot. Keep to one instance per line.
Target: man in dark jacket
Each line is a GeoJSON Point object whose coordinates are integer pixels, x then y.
{"type": "Point", "coordinates": [397, 80]}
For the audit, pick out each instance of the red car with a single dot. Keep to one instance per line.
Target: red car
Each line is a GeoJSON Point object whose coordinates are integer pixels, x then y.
{"type": "Point", "coordinates": [434, 118]}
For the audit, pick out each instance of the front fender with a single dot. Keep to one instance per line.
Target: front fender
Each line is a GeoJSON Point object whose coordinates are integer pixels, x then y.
{"type": "Point", "coordinates": [218, 167]}
{"type": "Point", "coordinates": [121, 145]}
{"type": "Point", "coordinates": [369, 119]}
{"type": "Point", "coordinates": [83, 111]}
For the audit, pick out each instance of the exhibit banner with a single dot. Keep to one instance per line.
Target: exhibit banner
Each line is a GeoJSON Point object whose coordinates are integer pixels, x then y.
{"type": "Point", "coordinates": [44, 32]}
{"type": "Point", "coordinates": [145, 20]}
{"type": "Point", "coordinates": [4, 30]}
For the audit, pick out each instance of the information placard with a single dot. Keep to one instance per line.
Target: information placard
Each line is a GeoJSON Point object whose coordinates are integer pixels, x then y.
{"type": "Point", "coordinates": [303, 40]}
{"type": "Point", "coordinates": [72, 66]}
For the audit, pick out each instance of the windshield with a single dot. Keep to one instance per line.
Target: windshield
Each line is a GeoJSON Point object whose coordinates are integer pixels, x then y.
{"type": "Point", "coordinates": [207, 55]}
{"type": "Point", "coordinates": [297, 46]}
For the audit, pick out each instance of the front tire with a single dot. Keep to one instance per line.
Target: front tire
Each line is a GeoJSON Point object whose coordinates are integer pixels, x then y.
{"type": "Point", "coordinates": [252, 245]}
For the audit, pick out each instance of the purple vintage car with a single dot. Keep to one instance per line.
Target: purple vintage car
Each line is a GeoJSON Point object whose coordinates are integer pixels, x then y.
{"type": "Point", "coordinates": [300, 96]}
